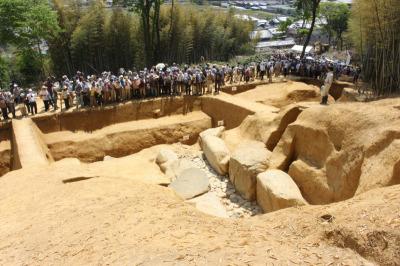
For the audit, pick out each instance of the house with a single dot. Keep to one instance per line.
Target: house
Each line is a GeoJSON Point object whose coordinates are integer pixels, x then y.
{"type": "Point", "coordinates": [281, 44]}
{"type": "Point", "coordinates": [263, 35]}
{"type": "Point", "coordinates": [299, 49]}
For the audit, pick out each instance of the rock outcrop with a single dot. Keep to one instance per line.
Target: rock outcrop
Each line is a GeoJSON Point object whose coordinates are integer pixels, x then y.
{"type": "Point", "coordinates": [267, 126]}
{"type": "Point", "coordinates": [337, 151]}
{"type": "Point", "coordinates": [215, 131]}
{"type": "Point", "coordinates": [176, 167]}
{"type": "Point", "coordinates": [190, 183]}
{"type": "Point", "coordinates": [210, 204]}
{"type": "Point", "coordinates": [276, 190]}
{"type": "Point", "coordinates": [165, 158]}
{"type": "Point", "coordinates": [248, 160]}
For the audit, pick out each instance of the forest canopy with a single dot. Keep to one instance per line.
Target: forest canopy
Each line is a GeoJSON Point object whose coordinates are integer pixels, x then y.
{"type": "Point", "coordinates": [93, 39]}
{"type": "Point", "coordinates": [375, 32]}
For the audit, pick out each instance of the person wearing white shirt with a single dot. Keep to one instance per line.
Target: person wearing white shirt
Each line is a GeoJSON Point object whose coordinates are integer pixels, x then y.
{"type": "Point", "coordinates": [327, 85]}
{"type": "Point", "coordinates": [32, 101]}
{"type": "Point", "coordinates": [262, 70]}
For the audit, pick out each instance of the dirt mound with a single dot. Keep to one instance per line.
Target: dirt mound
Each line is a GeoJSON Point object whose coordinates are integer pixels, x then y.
{"type": "Point", "coordinates": [335, 152]}
{"type": "Point", "coordinates": [282, 94]}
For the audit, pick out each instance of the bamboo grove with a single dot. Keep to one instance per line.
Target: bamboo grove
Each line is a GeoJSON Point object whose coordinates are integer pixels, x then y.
{"type": "Point", "coordinates": [94, 39]}
{"type": "Point", "coordinates": [375, 31]}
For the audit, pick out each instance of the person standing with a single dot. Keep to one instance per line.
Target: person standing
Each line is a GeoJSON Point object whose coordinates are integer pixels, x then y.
{"type": "Point", "coordinates": [10, 103]}
{"type": "Point", "coordinates": [65, 96]}
{"type": "Point", "coordinates": [32, 101]}
{"type": "Point", "coordinates": [218, 80]}
{"type": "Point", "coordinates": [22, 105]}
{"type": "Point", "coordinates": [327, 85]}
{"type": "Point", "coordinates": [3, 106]}
{"type": "Point", "coordinates": [261, 67]}
{"type": "Point", "coordinates": [93, 92]}
{"type": "Point", "coordinates": [78, 92]}
{"type": "Point", "coordinates": [45, 96]}
{"type": "Point", "coordinates": [270, 71]}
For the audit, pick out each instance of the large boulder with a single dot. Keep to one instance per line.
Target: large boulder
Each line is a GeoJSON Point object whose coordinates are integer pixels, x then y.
{"type": "Point", "coordinates": [249, 159]}
{"type": "Point", "coordinates": [217, 154]}
{"type": "Point", "coordinates": [276, 190]}
{"type": "Point", "coordinates": [210, 204]}
{"type": "Point", "coordinates": [176, 167]}
{"type": "Point", "coordinates": [190, 183]}
{"type": "Point", "coordinates": [165, 158]}
{"type": "Point", "coordinates": [312, 181]}
{"type": "Point", "coordinates": [215, 131]}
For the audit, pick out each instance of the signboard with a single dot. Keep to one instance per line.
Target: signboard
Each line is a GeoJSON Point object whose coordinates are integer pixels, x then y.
{"type": "Point", "coordinates": [220, 123]}
{"type": "Point", "coordinates": [234, 88]}
{"type": "Point", "coordinates": [186, 138]}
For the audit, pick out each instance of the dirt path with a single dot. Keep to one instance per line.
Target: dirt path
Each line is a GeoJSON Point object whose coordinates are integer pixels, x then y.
{"type": "Point", "coordinates": [32, 151]}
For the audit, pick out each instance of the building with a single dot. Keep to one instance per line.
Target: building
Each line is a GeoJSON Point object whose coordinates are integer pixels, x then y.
{"type": "Point", "coordinates": [299, 49]}
{"type": "Point", "coordinates": [281, 9]}
{"type": "Point", "coordinates": [262, 35]}
{"type": "Point", "coordinates": [281, 44]}
{"type": "Point", "coordinates": [347, 2]}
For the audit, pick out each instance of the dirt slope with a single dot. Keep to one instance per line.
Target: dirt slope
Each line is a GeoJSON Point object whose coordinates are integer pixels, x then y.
{"type": "Point", "coordinates": [337, 151]}
{"type": "Point", "coordinates": [106, 220]}
{"type": "Point", "coordinates": [281, 94]}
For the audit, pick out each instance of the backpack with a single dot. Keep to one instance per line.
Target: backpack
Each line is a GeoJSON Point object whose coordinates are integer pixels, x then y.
{"type": "Point", "coordinates": [3, 103]}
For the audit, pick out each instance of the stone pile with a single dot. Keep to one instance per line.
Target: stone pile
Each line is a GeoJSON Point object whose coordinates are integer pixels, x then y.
{"type": "Point", "coordinates": [220, 185]}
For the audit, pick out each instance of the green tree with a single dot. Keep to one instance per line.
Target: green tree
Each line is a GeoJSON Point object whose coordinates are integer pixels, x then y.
{"type": "Point", "coordinates": [307, 7]}
{"type": "Point", "coordinates": [69, 13]}
{"type": "Point", "coordinates": [29, 65]}
{"type": "Point", "coordinates": [374, 29]}
{"type": "Point", "coordinates": [149, 11]}
{"type": "Point", "coordinates": [27, 23]}
{"type": "Point", "coordinates": [119, 47]}
{"type": "Point", "coordinates": [336, 16]}
{"type": "Point", "coordinates": [88, 40]}
{"type": "Point", "coordinates": [4, 72]}
{"type": "Point", "coordinates": [284, 25]}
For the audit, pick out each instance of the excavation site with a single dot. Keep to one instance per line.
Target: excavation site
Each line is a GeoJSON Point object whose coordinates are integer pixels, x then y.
{"type": "Point", "coordinates": [258, 174]}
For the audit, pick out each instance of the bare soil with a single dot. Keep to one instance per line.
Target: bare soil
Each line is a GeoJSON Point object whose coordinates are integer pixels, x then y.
{"type": "Point", "coordinates": [78, 209]}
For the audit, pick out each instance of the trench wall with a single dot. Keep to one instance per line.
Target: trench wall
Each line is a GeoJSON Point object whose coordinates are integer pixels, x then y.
{"type": "Point", "coordinates": [235, 89]}
{"type": "Point", "coordinates": [94, 119]}
{"type": "Point", "coordinates": [5, 149]}
{"type": "Point", "coordinates": [336, 89]}
{"type": "Point", "coordinates": [127, 138]}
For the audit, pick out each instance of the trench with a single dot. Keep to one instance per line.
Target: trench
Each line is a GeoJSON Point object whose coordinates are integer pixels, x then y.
{"type": "Point", "coordinates": [6, 156]}
{"type": "Point", "coordinates": [124, 129]}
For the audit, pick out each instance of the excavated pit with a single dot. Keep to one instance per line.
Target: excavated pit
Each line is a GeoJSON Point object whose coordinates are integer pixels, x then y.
{"type": "Point", "coordinates": [124, 130]}
{"type": "Point", "coordinates": [123, 139]}
{"type": "Point", "coordinates": [94, 206]}
{"type": "Point", "coordinates": [310, 150]}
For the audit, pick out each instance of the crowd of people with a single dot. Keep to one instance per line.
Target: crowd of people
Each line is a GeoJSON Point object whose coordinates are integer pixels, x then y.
{"type": "Point", "coordinates": [161, 80]}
